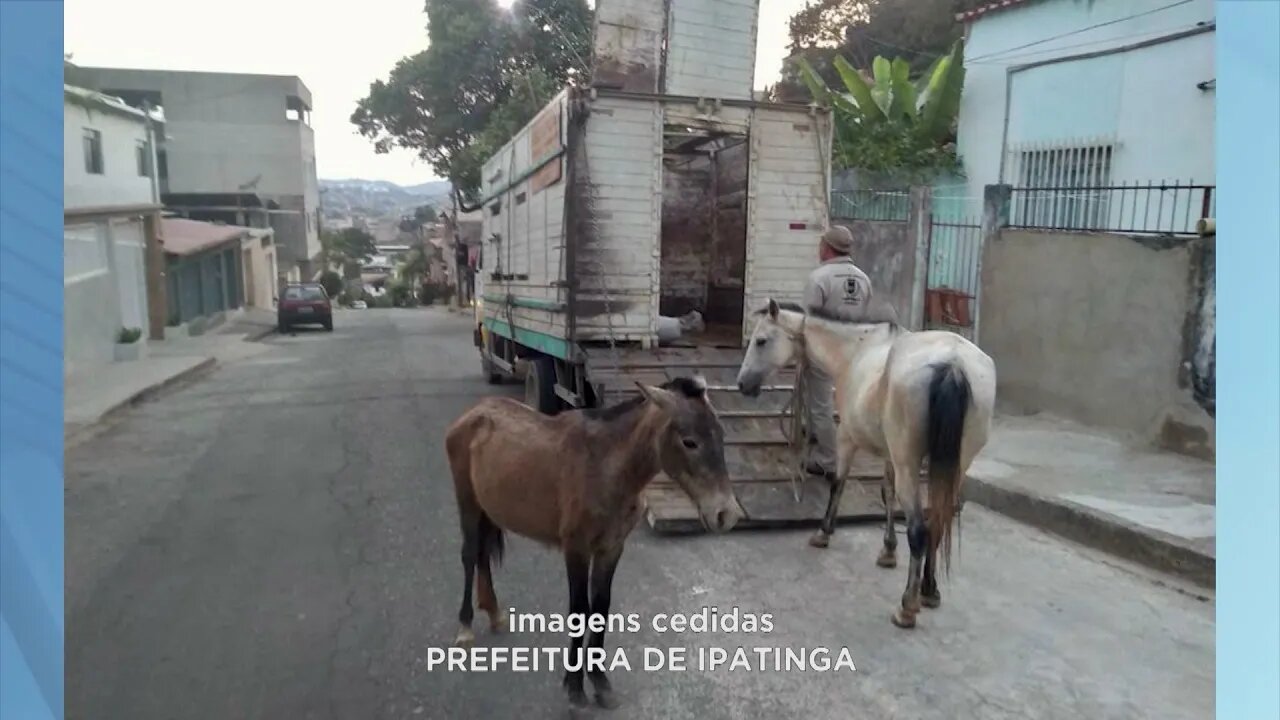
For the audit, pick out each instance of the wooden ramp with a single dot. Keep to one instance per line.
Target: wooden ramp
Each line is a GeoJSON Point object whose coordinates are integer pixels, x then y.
{"type": "Point", "coordinates": [758, 452]}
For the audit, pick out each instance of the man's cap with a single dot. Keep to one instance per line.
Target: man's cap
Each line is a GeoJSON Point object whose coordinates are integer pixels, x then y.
{"type": "Point", "coordinates": [839, 238]}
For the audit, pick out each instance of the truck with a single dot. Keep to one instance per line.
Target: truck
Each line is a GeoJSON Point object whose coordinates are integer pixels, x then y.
{"type": "Point", "coordinates": [662, 186]}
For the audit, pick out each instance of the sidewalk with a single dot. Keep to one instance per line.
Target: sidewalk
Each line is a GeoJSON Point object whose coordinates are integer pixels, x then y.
{"type": "Point", "coordinates": [97, 393]}
{"type": "Point", "coordinates": [1151, 507]}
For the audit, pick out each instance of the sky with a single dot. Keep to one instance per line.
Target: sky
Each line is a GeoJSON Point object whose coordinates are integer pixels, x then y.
{"type": "Point", "coordinates": [337, 49]}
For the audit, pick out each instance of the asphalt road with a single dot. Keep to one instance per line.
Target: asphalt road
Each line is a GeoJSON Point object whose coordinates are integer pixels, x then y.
{"type": "Point", "coordinates": [279, 541]}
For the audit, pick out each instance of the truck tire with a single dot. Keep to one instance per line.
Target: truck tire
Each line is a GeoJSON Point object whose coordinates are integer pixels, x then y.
{"type": "Point", "coordinates": [491, 374]}
{"type": "Point", "coordinates": [540, 386]}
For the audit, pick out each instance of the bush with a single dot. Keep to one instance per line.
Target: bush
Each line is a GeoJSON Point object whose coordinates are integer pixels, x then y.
{"type": "Point", "coordinates": [128, 336]}
{"type": "Point", "coordinates": [433, 292]}
{"type": "Point", "coordinates": [332, 283]}
{"type": "Point", "coordinates": [400, 294]}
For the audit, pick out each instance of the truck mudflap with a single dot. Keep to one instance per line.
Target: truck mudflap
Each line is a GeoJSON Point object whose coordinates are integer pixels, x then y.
{"type": "Point", "coordinates": [763, 461]}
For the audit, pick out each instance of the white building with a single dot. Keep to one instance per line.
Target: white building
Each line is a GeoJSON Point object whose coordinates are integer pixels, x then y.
{"type": "Point", "coordinates": [233, 141]}
{"type": "Point", "coordinates": [108, 162]}
{"type": "Point", "coordinates": [1072, 93]}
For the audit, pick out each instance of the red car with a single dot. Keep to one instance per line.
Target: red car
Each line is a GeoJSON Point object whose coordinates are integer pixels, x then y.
{"type": "Point", "coordinates": [304, 304]}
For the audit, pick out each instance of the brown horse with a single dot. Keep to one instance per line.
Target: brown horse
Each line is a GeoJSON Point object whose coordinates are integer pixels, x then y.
{"type": "Point", "coordinates": [573, 482]}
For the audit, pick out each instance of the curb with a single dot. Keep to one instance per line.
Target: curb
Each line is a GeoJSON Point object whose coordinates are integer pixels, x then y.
{"type": "Point", "coordinates": [259, 334]}
{"type": "Point", "coordinates": [1087, 527]}
{"type": "Point", "coordinates": [82, 431]}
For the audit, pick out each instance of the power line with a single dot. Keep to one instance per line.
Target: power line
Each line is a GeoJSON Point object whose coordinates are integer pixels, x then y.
{"type": "Point", "coordinates": [1104, 41]}
{"type": "Point", "coordinates": [1083, 29]}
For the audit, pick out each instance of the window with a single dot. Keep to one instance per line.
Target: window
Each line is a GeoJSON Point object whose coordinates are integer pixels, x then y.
{"type": "Point", "coordinates": [143, 152]}
{"type": "Point", "coordinates": [1071, 181]}
{"type": "Point", "coordinates": [305, 292]}
{"type": "Point", "coordinates": [93, 152]}
{"type": "Point", "coordinates": [162, 160]}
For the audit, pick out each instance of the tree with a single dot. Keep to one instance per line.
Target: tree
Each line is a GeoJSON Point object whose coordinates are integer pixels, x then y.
{"type": "Point", "coordinates": [347, 246]}
{"type": "Point", "coordinates": [414, 267]}
{"type": "Point", "coordinates": [421, 216]}
{"type": "Point", "coordinates": [425, 214]}
{"type": "Point", "coordinates": [917, 31]}
{"type": "Point", "coordinates": [889, 123]}
{"type": "Point", "coordinates": [484, 74]}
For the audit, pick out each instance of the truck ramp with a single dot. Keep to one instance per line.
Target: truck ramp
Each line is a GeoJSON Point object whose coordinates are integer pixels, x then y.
{"type": "Point", "coordinates": [761, 458]}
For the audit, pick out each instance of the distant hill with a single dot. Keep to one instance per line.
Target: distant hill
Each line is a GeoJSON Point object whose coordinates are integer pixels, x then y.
{"type": "Point", "coordinates": [379, 199]}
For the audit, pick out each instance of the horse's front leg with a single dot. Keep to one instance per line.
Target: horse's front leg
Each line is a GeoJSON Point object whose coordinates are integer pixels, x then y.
{"type": "Point", "coordinates": [577, 566]}
{"type": "Point", "coordinates": [845, 451]}
{"type": "Point", "coordinates": [889, 552]}
{"type": "Point", "coordinates": [602, 567]}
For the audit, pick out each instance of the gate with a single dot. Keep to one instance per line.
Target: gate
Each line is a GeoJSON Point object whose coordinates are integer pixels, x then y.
{"type": "Point", "coordinates": [951, 286]}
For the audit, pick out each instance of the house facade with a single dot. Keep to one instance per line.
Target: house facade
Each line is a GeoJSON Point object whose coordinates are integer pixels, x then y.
{"type": "Point", "coordinates": [234, 143]}
{"type": "Point", "coordinates": [1073, 93]}
{"type": "Point", "coordinates": [204, 270]}
{"type": "Point", "coordinates": [109, 208]}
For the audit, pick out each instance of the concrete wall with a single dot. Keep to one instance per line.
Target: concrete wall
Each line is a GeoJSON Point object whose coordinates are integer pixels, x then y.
{"type": "Point", "coordinates": [129, 247]}
{"type": "Point", "coordinates": [103, 289]}
{"type": "Point", "coordinates": [886, 252]}
{"type": "Point", "coordinates": [1103, 329]}
{"type": "Point", "coordinates": [120, 183]}
{"type": "Point", "coordinates": [1144, 100]}
{"type": "Point", "coordinates": [260, 268]}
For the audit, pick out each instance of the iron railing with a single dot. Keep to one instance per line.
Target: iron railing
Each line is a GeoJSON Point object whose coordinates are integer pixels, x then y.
{"type": "Point", "coordinates": [1137, 209]}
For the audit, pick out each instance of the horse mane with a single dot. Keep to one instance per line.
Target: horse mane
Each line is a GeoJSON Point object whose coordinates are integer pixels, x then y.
{"type": "Point", "coordinates": [692, 388]}
{"type": "Point", "coordinates": [882, 315]}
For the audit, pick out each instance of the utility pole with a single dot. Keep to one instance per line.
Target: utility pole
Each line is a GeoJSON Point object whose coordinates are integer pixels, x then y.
{"type": "Point", "coordinates": [153, 255]}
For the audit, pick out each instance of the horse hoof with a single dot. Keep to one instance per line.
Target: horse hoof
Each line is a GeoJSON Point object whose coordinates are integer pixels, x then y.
{"type": "Point", "coordinates": [607, 699]}
{"type": "Point", "coordinates": [498, 622]}
{"type": "Point", "coordinates": [887, 560]}
{"type": "Point", "coordinates": [820, 539]}
{"type": "Point", "coordinates": [578, 700]}
{"type": "Point", "coordinates": [903, 619]}
{"type": "Point", "coordinates": [931, 601]}
{"type": "Point", "coordinates": [465, 638]}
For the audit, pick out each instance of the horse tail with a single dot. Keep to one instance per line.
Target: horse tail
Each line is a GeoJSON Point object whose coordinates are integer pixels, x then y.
{"type": "Point", "coordinates": [949, 398]}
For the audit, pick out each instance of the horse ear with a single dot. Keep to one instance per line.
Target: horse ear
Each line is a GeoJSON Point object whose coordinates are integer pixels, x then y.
{"type": "Point", "coordinates": [773, 308]}
{"type": "Point", "coordinates": [656, 395]}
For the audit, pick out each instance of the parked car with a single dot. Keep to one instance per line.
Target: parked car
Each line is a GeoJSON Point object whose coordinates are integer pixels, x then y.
{"type": "Point", "coordinates": [359, 305]}
{"type": "Point", "coordinates": [304, 304]}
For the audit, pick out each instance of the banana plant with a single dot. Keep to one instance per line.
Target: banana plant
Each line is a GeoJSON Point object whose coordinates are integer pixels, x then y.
{"type": "Point", "coordinates": [929, 105]}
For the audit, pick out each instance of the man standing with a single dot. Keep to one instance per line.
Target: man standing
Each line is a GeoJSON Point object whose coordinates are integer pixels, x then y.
{"type": "Point", "coordinates": [839, 289]}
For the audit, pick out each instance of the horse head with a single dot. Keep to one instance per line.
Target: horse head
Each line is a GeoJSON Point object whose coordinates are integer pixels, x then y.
{"type": "Point", "coordinates": [775, 343]}
{"type": "Point", "coordinates": [691, 449]}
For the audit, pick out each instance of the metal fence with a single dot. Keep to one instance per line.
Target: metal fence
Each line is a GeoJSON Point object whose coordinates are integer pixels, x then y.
{"type": "Point", "coordinates": [1136, 209]}
{"type": "Point", "coordinates": [951, 291]}
{"type": "Point", "coordinates": [892, 205]}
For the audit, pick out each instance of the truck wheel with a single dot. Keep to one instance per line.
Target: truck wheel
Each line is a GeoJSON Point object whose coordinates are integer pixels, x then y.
{"type": "Point", "coordinates": [491, 373]}
{"type": "Point", "coordinates": [540, 386]}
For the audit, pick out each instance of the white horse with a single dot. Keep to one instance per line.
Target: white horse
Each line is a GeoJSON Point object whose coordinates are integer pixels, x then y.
{"type": "Point", "coordinates": [903, 396]}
